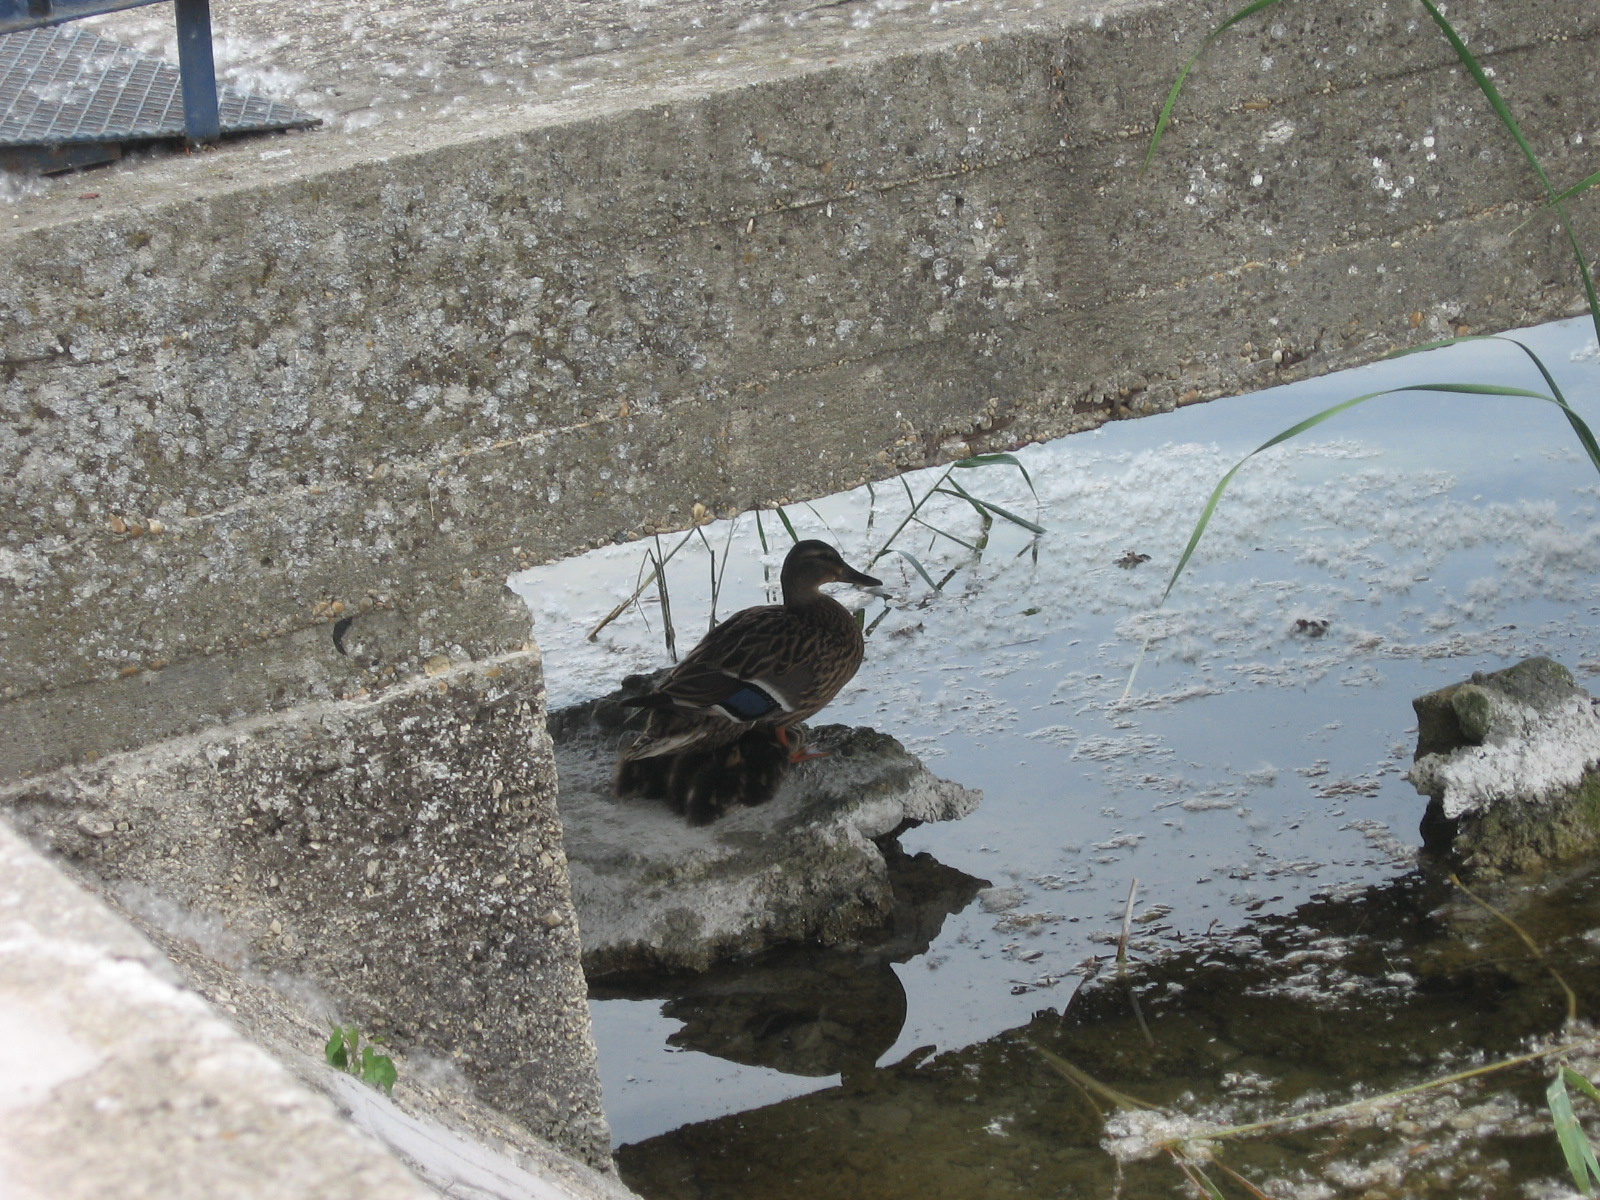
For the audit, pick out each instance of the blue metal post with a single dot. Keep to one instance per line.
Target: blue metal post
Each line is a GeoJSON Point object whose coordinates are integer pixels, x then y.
{"type": "Point", "coordinates": [200, 118]}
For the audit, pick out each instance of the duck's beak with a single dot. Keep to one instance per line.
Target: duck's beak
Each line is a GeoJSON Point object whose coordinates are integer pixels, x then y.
{"type": "Point", "coordinates": [865, 582]}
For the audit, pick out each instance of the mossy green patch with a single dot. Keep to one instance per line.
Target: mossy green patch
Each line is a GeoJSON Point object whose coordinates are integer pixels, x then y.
{"type": "Point", "coordinates": [1517, 838]}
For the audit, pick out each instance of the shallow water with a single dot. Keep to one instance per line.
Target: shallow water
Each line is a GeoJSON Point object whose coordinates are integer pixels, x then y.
{"type": "Point", "coordinates": [1381, 989]}
{"type": "Point", "coordinates": [1220, 750]}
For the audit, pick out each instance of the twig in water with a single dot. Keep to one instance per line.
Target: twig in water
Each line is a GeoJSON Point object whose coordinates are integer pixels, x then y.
{"type": "Point", "coordinates": [639, 590]}
{"type": "Point", "coordinates": [1089, 1085]}
{"type": "Point", "coordinates": [1122, 963]}
{"type": "Point", "coordinates": [666, 604]}
{"type": "Point", "coordinates": [1572, 999]}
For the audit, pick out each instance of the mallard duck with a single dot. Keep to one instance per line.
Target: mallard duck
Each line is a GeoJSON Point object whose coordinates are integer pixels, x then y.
{"type": "Point", "coordinates": [717, 732]}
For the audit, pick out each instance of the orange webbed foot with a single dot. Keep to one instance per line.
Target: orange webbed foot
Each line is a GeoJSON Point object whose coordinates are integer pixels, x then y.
{"type": "Point", "coordinates": [798, 753]}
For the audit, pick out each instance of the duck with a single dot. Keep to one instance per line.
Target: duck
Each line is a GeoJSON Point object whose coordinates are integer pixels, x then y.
{"type": "Point", "coordinates": [719, 726]}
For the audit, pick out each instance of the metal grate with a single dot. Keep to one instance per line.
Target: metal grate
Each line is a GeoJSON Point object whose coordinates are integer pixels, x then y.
{"type": "Point", "coordinates": [60, 85]}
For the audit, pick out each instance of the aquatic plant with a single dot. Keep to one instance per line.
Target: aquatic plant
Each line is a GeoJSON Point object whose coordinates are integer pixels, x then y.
{"type": "Point", "coordinates": [1142, 1130]}
{"type": "Point", "coordinates": [653, 569]}
{"type": "Point", "coordinates": [1575, 1144]}
{"type": "Point", "coordinates": [1138, 1130]}
{"type": "Point", "coordinates": [345, 1051]}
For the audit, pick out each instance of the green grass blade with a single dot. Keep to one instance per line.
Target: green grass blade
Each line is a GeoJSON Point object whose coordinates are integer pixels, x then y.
{"type": "Point", "coordinates": [961, 493]}
{"type": "Point", "coordinates": [981, 505]}
{"type": "Point", "coordinates": [1576, 189]}
{"type": "Point", "coordinates": [761, 533]}
{"type": "Point", "coordinates": [821, 520]}
{"type": "Point", "coordinates": [1248, 10]}
{"type": "Point", "coordinates": [988, 460]}
{"type": "Point", "coordinates": [1575, 1145]}
{"type": "Point", "coordinates": [1579, 426]}
{"type": "Point", "coordinates": [788, 524]}
{"type": "Point", "coordinates": [916, 507]}
{"type": "Point", "coordinates": [944, 533]}
{"type": "Point", "coordinates": [1581, 1082]}
{"type": "Point", "coordinates": [920, 569]}
{"type": "Point", "coordinates": [1031, 526]}
{"type": "Point", "coordinates": [1492, 94]}
{"type": "Point", "coordinates": [1585, 435]}
{"type": "Point", "coordinates": [1582, 185]}
{"type": "Point", "coordinates": [716, 579]}
{"type": "Point", "coordinates": [1198, 1178]}
{"type": "Point", "coordinates": [1210, 508]}
{"type": "Point", "coordinates": [1472, 389]}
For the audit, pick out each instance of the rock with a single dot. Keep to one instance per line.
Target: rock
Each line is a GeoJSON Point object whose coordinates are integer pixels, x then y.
{"type": "Point", "coordinates": [806, 1009]}
{"type": "Point", "coordinates": [1509, 762]}
{"type": "Point", "coordinates": [656, 894]}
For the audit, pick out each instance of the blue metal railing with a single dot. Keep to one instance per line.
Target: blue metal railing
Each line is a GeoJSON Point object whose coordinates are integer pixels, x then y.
{"type": "Point", "coordinates": [201, 120]}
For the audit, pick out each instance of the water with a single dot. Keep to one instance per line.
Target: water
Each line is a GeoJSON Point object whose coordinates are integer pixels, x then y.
{"type": "Point", "coordinates": [1277, 1022]}
{"type": "Point", "coordinates": [1223, 757]}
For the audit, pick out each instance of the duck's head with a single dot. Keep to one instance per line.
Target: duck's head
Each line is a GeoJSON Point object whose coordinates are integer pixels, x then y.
{"type": "Point", "coordinates": [811, 564]}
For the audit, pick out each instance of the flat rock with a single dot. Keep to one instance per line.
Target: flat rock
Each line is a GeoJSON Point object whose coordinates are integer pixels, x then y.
{"type": "Point", "coordinates": [656, 894]}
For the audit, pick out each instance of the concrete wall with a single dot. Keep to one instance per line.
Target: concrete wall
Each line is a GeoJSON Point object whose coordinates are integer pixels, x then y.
{"type": "Point", "coordinates": [241, 412]}
{"type": "Point", "coordinates": [401, 851]}
{"type": "Point", "coordinates": [275, 428]}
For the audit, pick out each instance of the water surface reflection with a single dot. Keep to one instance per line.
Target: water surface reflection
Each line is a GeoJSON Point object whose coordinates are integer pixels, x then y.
{"type": "Point", "coordinates": [1343, 998]}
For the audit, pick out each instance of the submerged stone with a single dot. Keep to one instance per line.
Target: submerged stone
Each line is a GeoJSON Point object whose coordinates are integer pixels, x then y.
{"type": "Point", "coordinates": [655, 894]}
{"type": "Point", "coordinates": [1510, 762]}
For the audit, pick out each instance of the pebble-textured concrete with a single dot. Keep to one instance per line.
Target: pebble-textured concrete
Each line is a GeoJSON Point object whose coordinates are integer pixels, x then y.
{"type": "Point", "coordinates": [276, 419]}
{"type": "Point", "coordinates": [119, 1081]}
{"type": "Point", "coordinates": [402, 851]}
{"type": "Point", "coordinates": [361, 373]}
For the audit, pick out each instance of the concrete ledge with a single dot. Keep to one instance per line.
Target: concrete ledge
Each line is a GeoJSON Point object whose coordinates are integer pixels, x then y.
{"type": "Point", "coordinates": [115, 1071]}
{"type": "Point", "coordinates": [401, 851]}
{"type": "Point", "coordinates": [277, 421]}
{"type": "Point", "coordinates": [247, 398]}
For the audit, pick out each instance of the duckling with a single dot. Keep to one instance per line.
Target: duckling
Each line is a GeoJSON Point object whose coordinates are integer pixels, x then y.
{"type": "Point", "coordinates": [701, 783]}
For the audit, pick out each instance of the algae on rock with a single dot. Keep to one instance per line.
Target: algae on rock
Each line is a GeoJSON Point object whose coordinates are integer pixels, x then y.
{"type": "Point", "coordinates": [1509, 762]}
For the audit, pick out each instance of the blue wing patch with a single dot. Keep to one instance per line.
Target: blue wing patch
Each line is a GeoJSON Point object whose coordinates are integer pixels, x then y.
{"type": "Point", "coordinates": [749, 703]}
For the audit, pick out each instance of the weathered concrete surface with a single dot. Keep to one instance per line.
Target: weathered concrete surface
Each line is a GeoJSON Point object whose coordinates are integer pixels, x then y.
{"type": "Point", "coordinates": [277, 420]}
{"type": "Point", "coordinates": [1510, 763]}
{"type": "Point", "coordinates": [119, 1081]}
{"type": "Point", "coordinates": [401, 851]}
{"type": "Point", "coordinates": [248, 397]}
{"type": "Point", "coordinates": [655, 894]}
{"type": "Point", "coordinates": [432, 1120]}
